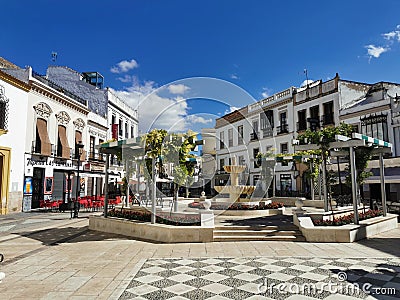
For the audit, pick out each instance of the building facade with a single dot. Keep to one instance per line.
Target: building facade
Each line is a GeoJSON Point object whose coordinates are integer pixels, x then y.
{"type": "Point", "coordinates": [271, 125]}
{"type": "Point", "coordinates": [13, 127]}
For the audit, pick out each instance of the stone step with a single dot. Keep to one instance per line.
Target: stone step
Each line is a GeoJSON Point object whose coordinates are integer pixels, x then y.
{"type": "Point", "coordinates": [257, 228]}
{"type": "Point", "coordinates": [256, 232]}
{"type": "Point", "coordinates": [296, 238]}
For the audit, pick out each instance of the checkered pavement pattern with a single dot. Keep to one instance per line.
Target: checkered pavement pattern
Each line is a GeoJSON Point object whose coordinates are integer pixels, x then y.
{"type": "Point", "coordinates": [262, 278]}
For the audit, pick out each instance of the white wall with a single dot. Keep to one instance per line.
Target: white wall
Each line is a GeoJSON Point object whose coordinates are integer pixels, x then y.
{"type": "Point", "coordinates": [15, 138]}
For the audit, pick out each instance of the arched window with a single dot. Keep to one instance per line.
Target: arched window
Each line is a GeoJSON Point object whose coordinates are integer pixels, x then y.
{"type": "Point", "coordinates": [42, 144]}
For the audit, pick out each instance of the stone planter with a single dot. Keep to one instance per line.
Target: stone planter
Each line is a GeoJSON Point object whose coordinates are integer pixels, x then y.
{"type": "Point", "coordinates": [153, 232]}
{"type": "Point", "coordinates": [346, 233]}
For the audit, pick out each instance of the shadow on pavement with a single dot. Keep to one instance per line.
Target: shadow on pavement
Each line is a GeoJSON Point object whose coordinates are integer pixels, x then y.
{"type": "Point", "coordinates": [277, 220]}
{"type": "Point", "coordinates": [55, 236]}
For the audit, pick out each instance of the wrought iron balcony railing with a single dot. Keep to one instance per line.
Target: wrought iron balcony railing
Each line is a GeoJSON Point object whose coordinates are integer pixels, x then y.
{"type": "Point", "coordinates": [283, 128]}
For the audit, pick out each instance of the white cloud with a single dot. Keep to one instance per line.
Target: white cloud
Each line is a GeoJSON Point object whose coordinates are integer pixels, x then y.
{"type": "Point", "coordinates": [124, 66]}
{"type": "Point", "coordinates": [234, 76]}
{"type": "Point", "coordinates": [154, 110]}
{"type": "Point", "coordinates": [178, 89]}
{"type": "Point", "coordinates": [126, 78]}
{"type": "Point", "coordinates": [266, 92]}
{"type": "Point", "coordinates": [231, 109]}
{"type": "Point", "coordinates": [198, 119]}
{"type": "Point", "coordinates": [395, 34]}
{"type": "Point", "coordinates": [376, 51]}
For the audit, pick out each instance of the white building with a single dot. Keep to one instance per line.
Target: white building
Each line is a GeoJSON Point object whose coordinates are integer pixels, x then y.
{"type": "Point", "coordinates": [107, 111]}
{"type": "Point", "coordinates": [208, 161]}
{"type": "Point", "coordinates": [13, 127]}
{"type": "Point", "coordinates": [270, 125]}
{"type": "Point", "coordinates": [261, 127]}
{"type": "Point", "coordinates": [376, 115]}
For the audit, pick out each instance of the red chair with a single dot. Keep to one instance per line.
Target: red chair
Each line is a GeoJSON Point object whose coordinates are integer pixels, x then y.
{"type": "Point", "coordinates": [54, 205]}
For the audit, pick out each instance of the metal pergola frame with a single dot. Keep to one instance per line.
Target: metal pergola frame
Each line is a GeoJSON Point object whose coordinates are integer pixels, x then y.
{"type": "Point", "coordinates": [358, 140]}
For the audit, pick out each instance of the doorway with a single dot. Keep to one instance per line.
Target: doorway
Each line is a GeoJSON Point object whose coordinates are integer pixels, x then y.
{"type": "Point", "coordinates": [37, 187]}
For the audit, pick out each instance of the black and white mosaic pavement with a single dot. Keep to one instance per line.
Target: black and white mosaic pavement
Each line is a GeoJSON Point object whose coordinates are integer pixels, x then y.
{"type": "Point", "coordinates": [266, 278]}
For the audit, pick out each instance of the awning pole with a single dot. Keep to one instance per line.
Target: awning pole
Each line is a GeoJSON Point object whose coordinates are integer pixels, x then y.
{"type": "Point", "coordinates": [106, 186]}
{"type": "Point", "coordinates": [153, 191]}
{"type": "Point", "coordinates": [354, 184]}
{"type": "Point", "coordinates": [383, 190]}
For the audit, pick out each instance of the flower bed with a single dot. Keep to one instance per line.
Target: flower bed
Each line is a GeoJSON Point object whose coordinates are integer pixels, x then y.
{"type": "Point", "coordinates": [348, 219]}
{"type": "Point", "coordinates": [162, 218]}
{"type": "Point", "coordinates": [238, 206]}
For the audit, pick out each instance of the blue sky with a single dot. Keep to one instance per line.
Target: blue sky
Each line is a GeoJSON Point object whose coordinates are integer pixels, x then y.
{"type": "Point", "coordinates": [260, 46]}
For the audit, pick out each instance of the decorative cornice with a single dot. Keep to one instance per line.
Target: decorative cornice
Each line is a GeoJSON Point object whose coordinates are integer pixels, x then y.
{"type": "Point", "coordinates": [48, 92]}
{"type": "Point", "coordinates": [79, 124]}
{"type": "Point", "coordinates": [63, 118]}
{"type": "Point", "coordinates": [43, 110]}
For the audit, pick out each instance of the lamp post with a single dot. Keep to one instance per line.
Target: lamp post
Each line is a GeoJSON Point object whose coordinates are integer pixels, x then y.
{"type": "Point", "coordinates": [78, 152]}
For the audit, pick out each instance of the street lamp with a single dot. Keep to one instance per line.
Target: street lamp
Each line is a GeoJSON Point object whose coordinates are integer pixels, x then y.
{"type": "Point", "coordinates": [78, 152]}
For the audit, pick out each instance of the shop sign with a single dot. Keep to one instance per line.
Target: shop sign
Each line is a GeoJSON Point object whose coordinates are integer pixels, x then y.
{"type": "Point", "coordinates": [49, 161]}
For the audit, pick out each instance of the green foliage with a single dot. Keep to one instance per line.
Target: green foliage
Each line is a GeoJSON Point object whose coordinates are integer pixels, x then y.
{"type": "Point", "coordinates": [171, 148]}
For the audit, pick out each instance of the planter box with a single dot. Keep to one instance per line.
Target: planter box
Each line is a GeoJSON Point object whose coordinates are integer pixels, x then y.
{"type": "Point", "coordinates": [153, 232]}
{"type": "Point", "coordinates": [290, 201]}
{"type": "Point", "coordinates": [345, 233]}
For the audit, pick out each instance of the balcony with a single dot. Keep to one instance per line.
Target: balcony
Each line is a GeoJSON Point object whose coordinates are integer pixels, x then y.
{"type": "Point", "coordinates": [314, 123]}
{"type": "Point", "coordinates": [282, 129]}
{"type": "Point", "coordinates": [328, 119]}
{"type": "Point", "coordinates": [267, 132]}
{"type": "Point", "coordinates": [301, 126]}
{"type": "Point", "coordinates": [254, 136]}
{"type": "Point", "coordinates": [62, 152]}
{"type": "Point", "coordinates": [93, 156]}
{"type": "Point", "coordinates": [44, 149]}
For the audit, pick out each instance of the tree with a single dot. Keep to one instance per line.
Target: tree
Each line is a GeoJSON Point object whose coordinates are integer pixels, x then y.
{"type": "Point", "coordinates": [172, 148]}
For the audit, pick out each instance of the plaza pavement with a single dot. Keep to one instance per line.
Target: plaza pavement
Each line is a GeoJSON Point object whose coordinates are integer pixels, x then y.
{"type": "Point", "coordinates": [50, 256]}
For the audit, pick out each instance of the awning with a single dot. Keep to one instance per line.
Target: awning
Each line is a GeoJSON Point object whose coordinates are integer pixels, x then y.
{"type": "Point", "coordinates": [41, 126]}
{"type": "Point", "coordinates": [78, 139]}
{"type": "Point", "coordinates": [388, 179]}
{"type": "Point", "coordinates": [62, 134]}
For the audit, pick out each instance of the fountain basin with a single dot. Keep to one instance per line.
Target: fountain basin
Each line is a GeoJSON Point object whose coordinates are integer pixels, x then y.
{"type": "Point", "coordinates": [234, 169]}
{"type": "Point", "coordinates": [235, 191]}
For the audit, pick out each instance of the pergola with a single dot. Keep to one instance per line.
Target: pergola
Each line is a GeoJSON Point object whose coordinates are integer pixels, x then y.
{"type": "Point", "coordinates": [358, 140]}
{"type": "Point", "coordinates": [131, 146]}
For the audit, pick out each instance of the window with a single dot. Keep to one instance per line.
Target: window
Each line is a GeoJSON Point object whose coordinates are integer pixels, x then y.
{"type": "Point", "coordinates": [267, 123]}
{"type": "Point", "coordinates": [230, 137]}
{"type": "Point", "coordinates": [3, 109]}
{"type": "Point", "coordinates": [327, 118]}
{"type": "Point", "coordinates": [283, 127]}
{"type": "Point", "coordinates": [92, 151]}
{"type": "Point", "coordinates": [314, 118]}
{"type": "Point", "coordinates": [222, 164]}
{"type": "Point", "coordinates": [240, 135]}
{"type": "Point", "coordinates": [302, 121]}
{"type": "Point", "coordinates": [120, 127]}
{"type": "Point", "coordinates": [255, 153]}
{"type": "Point", "coordinates": [42, 143]}
{"type": "Point", "coordinates": [78, 140]}
{"type": "Point", "coordinates": [63, 149]}
{"type": "Point", "coordinates": [284, 148]}
{"type": "Point", "coordinates": [375, 126]}
{"type": "Point", "coordinates": [254, 134]}
{"type": "Point", "coordinates": [221, 140]}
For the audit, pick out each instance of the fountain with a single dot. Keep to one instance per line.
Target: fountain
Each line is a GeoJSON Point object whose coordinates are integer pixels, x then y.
{"type": "Point", "coordinates": [235, 190]}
